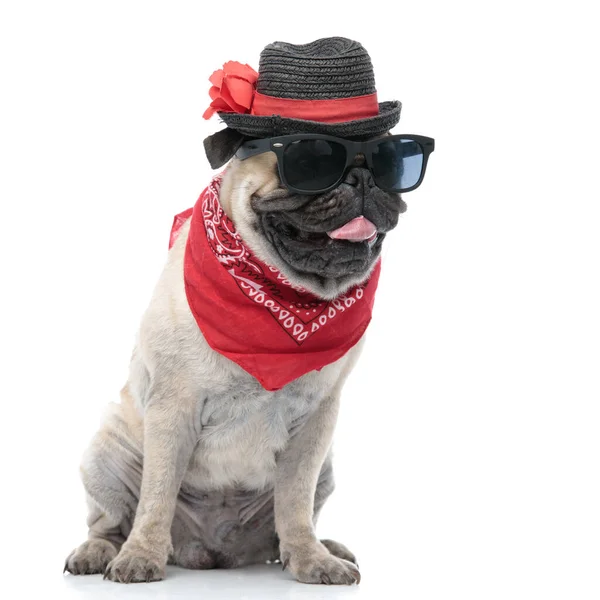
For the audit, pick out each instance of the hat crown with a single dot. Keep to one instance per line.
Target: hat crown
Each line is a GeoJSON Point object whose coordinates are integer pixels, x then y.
{"type": "Point", "coordinates": [328, 68]}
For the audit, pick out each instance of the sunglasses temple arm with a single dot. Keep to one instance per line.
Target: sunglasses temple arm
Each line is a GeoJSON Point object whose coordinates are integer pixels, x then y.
{"type": "Point", "coordinates": [252, 148]}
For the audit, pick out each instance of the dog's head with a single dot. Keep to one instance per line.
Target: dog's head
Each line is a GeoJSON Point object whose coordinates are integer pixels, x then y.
{"type": "Point", "coordinates": [299, 234]}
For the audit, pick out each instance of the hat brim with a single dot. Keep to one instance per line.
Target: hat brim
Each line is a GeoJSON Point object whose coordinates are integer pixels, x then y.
{"type": "Point", "coordinates": [261, 126]}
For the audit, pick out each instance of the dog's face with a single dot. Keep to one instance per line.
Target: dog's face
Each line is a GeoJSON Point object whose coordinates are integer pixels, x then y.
{"type": "Point", "coordinates": [297, 233]}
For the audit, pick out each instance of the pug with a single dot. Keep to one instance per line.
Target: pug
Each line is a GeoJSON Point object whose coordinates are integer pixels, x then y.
{"type": "Point", "coordinates": [199, 465]}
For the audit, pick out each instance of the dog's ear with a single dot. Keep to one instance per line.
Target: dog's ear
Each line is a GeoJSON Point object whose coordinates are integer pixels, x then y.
{"type": "Point", "coordinates": [221, 146]}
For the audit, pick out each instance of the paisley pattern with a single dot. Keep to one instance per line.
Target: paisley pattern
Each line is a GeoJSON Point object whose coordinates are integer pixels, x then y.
{"type": "Point", "coordinates": [298, 312]}
{"type": "Point", "coordinates": [251, 313]}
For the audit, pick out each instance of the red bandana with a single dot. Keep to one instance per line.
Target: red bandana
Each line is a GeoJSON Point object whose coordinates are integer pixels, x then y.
{"type": "Point", "coordinates": [250, 313]}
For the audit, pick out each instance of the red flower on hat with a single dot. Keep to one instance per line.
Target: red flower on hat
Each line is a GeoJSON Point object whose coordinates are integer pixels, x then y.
{"type": "Point", "coordinates": [232, 89]}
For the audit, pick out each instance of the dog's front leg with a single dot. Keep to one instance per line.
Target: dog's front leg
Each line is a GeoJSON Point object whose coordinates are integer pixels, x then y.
{"type": "Point", "coordinates": [298, 468]}
{"type": "Point", "coordinates": [169, 439]}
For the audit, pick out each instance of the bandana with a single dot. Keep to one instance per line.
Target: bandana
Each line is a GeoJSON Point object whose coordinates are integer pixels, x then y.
{"type": "Point", "coordinates": [249, 312]}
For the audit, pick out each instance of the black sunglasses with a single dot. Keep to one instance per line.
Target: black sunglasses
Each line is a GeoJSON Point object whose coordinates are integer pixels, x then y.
{"type": "Point", "coordinates": [313, 163]}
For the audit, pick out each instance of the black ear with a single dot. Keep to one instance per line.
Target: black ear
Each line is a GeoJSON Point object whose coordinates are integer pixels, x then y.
{"type": "Point", "coordinates": [221, 146]}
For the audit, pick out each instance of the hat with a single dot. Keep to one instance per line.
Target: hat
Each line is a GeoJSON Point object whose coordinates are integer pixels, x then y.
{"type": "Point", "coordinates": [326, 86]}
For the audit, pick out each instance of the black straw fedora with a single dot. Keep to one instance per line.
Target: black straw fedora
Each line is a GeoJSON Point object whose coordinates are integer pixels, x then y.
{"type": "Point", "coordinates": [326, 87]}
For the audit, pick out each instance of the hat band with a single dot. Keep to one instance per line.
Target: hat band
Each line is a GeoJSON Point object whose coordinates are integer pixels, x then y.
{"type": "Point", "coordinates": [336, 110]}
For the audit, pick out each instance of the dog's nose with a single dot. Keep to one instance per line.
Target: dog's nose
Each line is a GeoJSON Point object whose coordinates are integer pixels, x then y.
{"type": "Point", "coordinates": [359, 177]}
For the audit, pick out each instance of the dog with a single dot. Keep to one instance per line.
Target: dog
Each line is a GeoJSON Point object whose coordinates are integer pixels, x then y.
{"type": "Point", "coordinates": [199, 465]}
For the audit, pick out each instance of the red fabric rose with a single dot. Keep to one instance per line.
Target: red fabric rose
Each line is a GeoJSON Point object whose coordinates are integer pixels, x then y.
{"type": "Point", "coordinates": [232, 89]}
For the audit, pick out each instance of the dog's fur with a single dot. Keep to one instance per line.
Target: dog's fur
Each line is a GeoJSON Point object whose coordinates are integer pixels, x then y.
{"type": "Point", "coordinates": [199, 465]}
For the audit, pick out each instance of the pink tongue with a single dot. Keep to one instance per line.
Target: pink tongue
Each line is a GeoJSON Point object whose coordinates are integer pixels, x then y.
{"type": "Point", "coordinates": [357, 230]}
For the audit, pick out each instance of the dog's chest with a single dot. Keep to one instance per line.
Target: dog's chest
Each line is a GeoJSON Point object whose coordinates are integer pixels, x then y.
{"type": "Point", "coordinates": [244, 427]}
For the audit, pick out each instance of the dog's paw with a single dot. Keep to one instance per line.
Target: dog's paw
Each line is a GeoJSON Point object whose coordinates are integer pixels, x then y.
{"type": "Point", "coordinates": [133, 565]}
{"type": "Point", "coordinates": [339, 550]}
{"type": "Point", "coordinates": [91, 557]}
{"type": "Point", "coordinates": [316, 564]}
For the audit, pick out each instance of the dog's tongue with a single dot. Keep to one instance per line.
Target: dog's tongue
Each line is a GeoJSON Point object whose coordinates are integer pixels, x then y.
{"type": "Point", "coordinates": [357, 230]}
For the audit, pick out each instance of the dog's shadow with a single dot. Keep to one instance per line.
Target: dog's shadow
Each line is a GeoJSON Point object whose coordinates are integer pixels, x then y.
{"type": "Point", "coordinates": [258, 582]}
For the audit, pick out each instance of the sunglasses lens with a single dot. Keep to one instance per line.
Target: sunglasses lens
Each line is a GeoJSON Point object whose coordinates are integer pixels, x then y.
{"type": "Point", "coordinates": [313, 165]}
{"type": "Point", "coordinates": [397, 164]}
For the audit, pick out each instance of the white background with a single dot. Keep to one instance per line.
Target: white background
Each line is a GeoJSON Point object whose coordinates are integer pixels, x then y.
{"type": "Point", "coordinates": [467, 452]}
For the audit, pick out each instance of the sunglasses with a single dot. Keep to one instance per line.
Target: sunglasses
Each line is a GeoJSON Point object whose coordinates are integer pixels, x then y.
{"type": "Point", "coordinates": [313, 163]}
